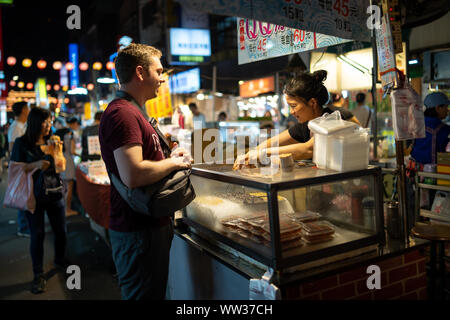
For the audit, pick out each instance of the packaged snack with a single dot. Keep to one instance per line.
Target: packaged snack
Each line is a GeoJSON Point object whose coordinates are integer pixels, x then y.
{"type": "Point", "coordinates": [317, 239]}
{"type": "Point", "coordinates": [286, 225]}
{"type": "Point", "coordinates": [317, 228]}
{"type": "Point", "coordinates": [307, 216]}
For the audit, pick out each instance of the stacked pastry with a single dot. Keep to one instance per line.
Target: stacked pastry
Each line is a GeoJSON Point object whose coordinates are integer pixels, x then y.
{"type": "Point", "coordinates": [317, 232]}
{"type": "Point", "coordinates": [256, 227]}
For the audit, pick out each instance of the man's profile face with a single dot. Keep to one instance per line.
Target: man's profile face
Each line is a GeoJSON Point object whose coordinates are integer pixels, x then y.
{"type": "Point", "coordinates": [153, 78]}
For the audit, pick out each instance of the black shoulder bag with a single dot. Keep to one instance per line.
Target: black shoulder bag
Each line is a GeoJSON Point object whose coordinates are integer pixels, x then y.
{"type": "Point", "coordinates": [49, 186]}
{"type": "Point", "coordinates": [164, 197]}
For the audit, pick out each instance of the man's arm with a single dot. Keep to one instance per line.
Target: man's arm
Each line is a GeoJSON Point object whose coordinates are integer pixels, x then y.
{"type": "Point", "coordinates": [136, 172]}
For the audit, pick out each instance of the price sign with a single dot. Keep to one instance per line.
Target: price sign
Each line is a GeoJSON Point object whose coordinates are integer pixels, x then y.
{"type": "Point", "coordinates": [260, 40]}
{"type": "Point", "coordinates": [386, 54]}
{"type": "Point", "coordinates": [340, 18]}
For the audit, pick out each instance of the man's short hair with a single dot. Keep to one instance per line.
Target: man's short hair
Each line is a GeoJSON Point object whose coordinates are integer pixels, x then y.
{"type": "Point", "coordinates": [18, 107]}
{"type": "Point", "coordinates": [130, 57]}
{"type": "Point", "coordinates": [360, 97]}
{"type": "Point", "coordinates": [192, 105]}
{"type": "Point", "coordinates": [98, 115]}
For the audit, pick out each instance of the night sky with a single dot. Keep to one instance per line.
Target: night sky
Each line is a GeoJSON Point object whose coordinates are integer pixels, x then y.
{"type": "Point", "coordinates": [37, 30]}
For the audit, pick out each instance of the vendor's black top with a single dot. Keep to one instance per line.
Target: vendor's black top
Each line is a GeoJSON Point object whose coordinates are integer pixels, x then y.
{"type": "Point", "coordinates": [300, 131]}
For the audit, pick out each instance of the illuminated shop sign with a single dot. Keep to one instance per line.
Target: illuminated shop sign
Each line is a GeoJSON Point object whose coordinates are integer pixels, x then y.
{"type": "Point", "coordinates": [73, 57]}
{"type": "Point", "coordinates": [255, 87]}
{"type": "Point", "coordinates": [185, 82]}
{"type": "Point", "coordinates": [189, 46]}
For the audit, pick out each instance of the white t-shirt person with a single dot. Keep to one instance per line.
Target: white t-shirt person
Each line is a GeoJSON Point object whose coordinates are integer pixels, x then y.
{"type": "Point", "coordinates": [17, 129]}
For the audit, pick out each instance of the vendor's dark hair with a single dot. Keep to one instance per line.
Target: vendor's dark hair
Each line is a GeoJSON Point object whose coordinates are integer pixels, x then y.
{"type": "Point", "coordinates": [35, 120]}
{"type": "Point", "coordinates": [309, 85]}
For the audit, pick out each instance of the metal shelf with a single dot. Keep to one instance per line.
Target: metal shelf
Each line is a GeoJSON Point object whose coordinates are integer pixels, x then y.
{"type": "Point", "coordinates": [434, 175]}
{"type": "Point", "coordinates": [434, 187]}
{"type": "Point", "coordinates": [430, 214]}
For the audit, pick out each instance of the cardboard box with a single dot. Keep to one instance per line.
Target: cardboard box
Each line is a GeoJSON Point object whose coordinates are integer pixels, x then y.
{"type": "Point", "coordinates": [443, 158]}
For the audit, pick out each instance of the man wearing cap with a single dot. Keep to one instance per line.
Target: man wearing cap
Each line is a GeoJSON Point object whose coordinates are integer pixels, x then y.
{"type": "Point", "coordinates": [425, 149]}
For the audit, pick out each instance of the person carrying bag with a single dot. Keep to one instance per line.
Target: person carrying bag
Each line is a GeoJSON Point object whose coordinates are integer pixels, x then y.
{"type": "Point", "coordinates": [164, 197]}
{"type": "Point", "coordinates": [47, 190]}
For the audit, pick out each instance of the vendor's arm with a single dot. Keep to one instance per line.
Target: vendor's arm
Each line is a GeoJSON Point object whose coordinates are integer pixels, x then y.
{"type": "Point", "coordinates": [136, 172]}
{"type": "Point", "coordinates": [299, 151]}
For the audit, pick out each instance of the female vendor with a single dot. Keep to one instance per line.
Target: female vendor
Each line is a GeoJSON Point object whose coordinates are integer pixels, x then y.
{"type": "Point", "coordinates": [306, 95]}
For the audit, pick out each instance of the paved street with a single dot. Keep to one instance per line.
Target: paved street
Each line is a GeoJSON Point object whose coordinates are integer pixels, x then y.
{"type": "Point", "coordinates": [84, 248]}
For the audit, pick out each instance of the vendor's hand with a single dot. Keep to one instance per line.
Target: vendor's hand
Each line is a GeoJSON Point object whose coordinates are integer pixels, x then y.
{"type": "Point", "coordinates": [43, 164]}
{"type": "Point", "coordinates": [246, 160]}
{"type": "Point", "coordinates": [180, 163]}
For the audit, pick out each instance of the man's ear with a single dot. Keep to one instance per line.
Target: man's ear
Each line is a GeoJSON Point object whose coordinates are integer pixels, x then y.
{"type": "Point", "coordinates": [140, 72]}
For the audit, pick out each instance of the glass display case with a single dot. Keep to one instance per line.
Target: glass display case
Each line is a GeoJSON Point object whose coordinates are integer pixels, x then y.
{"type": "Point", "coordinates": [284, 219]}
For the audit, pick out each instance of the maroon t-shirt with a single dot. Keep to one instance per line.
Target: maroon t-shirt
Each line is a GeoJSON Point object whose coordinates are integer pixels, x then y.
{"type": "Point", "coordinates": [123, 124]}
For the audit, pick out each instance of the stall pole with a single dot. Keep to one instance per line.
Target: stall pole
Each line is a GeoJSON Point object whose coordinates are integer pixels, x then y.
{"type": "Point", "coordinates": [374, 92]}
{"type": "Point", "coordinates": [402, 190]}
{"type": "Point", "coordinates": [214, 88]}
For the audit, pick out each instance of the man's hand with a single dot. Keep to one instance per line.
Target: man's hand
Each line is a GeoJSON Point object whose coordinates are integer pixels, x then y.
{"type": "Point", "coordinates": [43, 164]}
{"type": "Point", "coordinates": [180, 163]}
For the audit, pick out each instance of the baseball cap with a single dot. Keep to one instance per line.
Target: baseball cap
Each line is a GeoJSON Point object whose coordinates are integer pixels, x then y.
{"type": "Point", "coordinates": [436, 99]}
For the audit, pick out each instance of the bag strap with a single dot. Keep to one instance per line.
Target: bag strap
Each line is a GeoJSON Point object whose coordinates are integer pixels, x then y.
{"type": "Point", "coordinates": [165, 144]}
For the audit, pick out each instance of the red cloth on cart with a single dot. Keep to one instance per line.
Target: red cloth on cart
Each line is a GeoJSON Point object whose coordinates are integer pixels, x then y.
{"type": "Point", "coordinates": [94, 198]}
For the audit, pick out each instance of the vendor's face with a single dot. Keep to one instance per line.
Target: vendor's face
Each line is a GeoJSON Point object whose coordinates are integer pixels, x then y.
{"type": "Point", "coordinates": [303, 110]}
{"type": "Point", "coordinates": [442, 111]}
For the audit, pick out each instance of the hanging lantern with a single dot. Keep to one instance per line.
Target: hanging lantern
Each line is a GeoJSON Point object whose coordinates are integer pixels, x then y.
{"type": "Point", "coordinates": [110, 65]}
{"type": "Point", "coordinates": [84, 66]}
{"type": "Point", "coordinates": [90, 86]}
{"type": "Point", "coordinates": [49, 87]}
{"type": "Point", "coordinates": [56, 87]}
{"type": "Point", "coordinates": [66, 100]}
{"type": "Point", "coordinates": [65, 88]}
{"type": "Point", "coordinates": [21, 84]}
{"type": "Point", "coordinates": [11, 61]}
{"type": "Point", "coordinates": [69, 66]}
{"type": "Point", "coordinates": [97, 66]}
{"type": "Point", "coordinates": [42, 64]}
{"type": "Point", "coordinates": [29, 86]}
{"type": "Point", "coordinates": [12, 83]}
{"type": "Point", "coordinates": [57, 65]}
{"type": "Point", "coordinates": [27, 63]}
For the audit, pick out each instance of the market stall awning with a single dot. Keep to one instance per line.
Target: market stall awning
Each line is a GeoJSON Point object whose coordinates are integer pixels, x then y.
{"type": "Point", "coordinates": [340, 18]}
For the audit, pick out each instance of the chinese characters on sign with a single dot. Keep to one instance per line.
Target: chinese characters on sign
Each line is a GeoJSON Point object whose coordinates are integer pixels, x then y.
{"type": "Point", "coordinates": [385, 50]}
{"type": "Point", "coordinates": [340, 18]}
{"type": "Point", "coordinates": [260, 40]}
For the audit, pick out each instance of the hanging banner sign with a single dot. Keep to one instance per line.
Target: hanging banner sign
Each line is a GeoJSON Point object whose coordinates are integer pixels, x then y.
{"type": "Point", "coordinates": [73, 57]}
{"type": "Point", "coordinates": [340, 18]}
{"type": "Point", "coordinates": [260, 40]}
{"type": "Point", "coordinates": [385, 52]}
{"type": "Point", "coordinates": [161, 106]}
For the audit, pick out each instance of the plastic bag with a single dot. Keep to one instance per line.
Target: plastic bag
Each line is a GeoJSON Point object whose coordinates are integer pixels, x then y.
{"type": "Point", "coordinates": [330, 124]}
{"type": "Point", "coordinates": [55, 149]}
{"type": "Point", "coordinates": [19, 192]}
{"type": "Point", "coordinates": [407, 114]}
{"type": "Point", "coordinates": [262, 289]}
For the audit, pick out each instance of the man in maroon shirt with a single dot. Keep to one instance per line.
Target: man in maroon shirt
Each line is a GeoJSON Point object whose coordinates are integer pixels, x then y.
{"type": "Point", "coordinates": [131, 150]}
